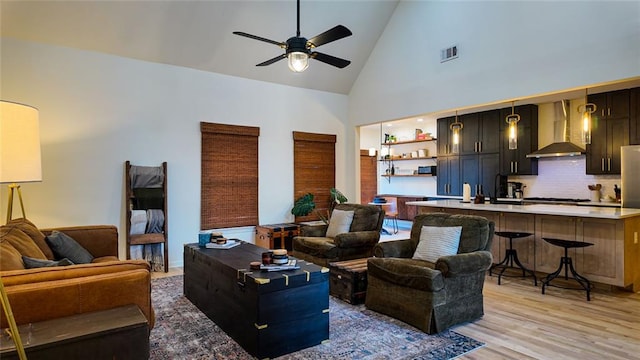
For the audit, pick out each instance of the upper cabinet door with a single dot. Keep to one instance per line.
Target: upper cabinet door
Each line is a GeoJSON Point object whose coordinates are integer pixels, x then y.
{"type": "Point", "coordinates": [469, 133]}
{"type": "Point", "coordinates": [489, 137]}
{"type": "Point", "coordinates": [444, 136]}
{"type": "Point", "coordinates": [481, 133]}
{"type": "Point", "coordinates": [611, 105]}
{"type": "Point", "coordinates": [610, 129]}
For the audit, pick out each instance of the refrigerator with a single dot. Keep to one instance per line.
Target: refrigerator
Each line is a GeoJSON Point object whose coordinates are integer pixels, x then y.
{"type": "Point", "coordinates": [630, 182]}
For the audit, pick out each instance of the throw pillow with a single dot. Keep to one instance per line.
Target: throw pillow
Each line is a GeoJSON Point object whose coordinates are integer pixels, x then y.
{"type": "Point", "coordinates": [340, 222]}
{"type": "Point", "coordinates": [10, 258]}
{"type": "Point", "coordinates": [30, 263]}
{"type": "Point", "coordinates": [21, 242]}
{"type": "Point", "coordinates": [64, 246]}
{"type": "Point", "coordinates": [437, 241]}
{"type": "Point", "coordinates": [34, 233]}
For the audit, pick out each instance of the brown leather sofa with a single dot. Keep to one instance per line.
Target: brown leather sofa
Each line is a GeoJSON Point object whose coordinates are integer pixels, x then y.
{"type": "Point", "coordinates": [45, 293]}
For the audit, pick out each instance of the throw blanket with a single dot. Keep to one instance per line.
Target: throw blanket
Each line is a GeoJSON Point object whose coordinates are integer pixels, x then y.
{"type": "Point", "coordinates": [138, 222]}
{"type": "Point", "coordinates": [146, 177]}
{"type": "Point", "coordinates": [149, 198]}
{"type": "Point", "coordinates": [155, 218]}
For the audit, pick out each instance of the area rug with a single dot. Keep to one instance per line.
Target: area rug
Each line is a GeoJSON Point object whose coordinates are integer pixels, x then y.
{"type": "Point", "coordinates": [181, 331]}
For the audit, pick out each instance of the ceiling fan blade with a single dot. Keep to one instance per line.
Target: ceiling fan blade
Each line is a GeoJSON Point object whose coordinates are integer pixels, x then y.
{"type": "Point", "coordinates": [330, 35]}
{"type": "Point", "coordinates": [281, 44]}
{"type": "Point", "coordinates": [331, 60]}
{"type": "Point", "coordinates": [271, 61]}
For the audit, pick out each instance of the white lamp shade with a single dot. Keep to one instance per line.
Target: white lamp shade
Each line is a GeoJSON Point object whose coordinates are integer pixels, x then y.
{"type": "Point", "coordinates": [20, 158]}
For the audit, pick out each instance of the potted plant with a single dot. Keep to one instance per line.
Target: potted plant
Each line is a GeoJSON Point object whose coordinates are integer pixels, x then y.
{"type": "Point", "coordinates": [304, 205]}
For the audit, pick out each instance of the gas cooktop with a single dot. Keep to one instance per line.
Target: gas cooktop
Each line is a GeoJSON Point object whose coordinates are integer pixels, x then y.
{"type": "Point", "coordinates": [550, 200]}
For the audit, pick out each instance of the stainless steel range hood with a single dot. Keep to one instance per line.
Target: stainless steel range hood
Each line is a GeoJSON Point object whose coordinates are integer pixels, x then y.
{"type": "Point", "coordinates": [561, 130]}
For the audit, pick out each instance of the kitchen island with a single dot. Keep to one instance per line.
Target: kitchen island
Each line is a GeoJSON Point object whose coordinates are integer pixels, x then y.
{"type": "Point", "coordinates": [613, 260]}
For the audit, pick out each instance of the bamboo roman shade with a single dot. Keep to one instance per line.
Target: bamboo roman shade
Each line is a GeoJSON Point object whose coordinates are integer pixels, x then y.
{"type": "Point", "coordinates": [229, 176]}
{"type": "Point", "coordinates": [314, 168]}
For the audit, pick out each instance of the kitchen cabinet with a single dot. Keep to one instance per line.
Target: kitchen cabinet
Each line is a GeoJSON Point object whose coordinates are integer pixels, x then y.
{"type": "Point", "coordinates": [448, 182]}
{"type": "Point", "coordinates": [407, 212]}
{"type": "Point", "coordinates": [479, 172]}
{"type": "Point", "coordinates": [479, 159]}
{"type": "Point", "coordinates": [480, 133]}
{"type": "Point", "coordinates": [603, 154]}
{"type": "Point", "coordinates": [557, 227]}
{"type": "Point", "coordinates": [600, 262]}
{"type": "Point", "coordinates": [609, 131]}
{"type": "Point", "coordinates": [634, 116]}
{"type": "Point", "coordinates": [515, 162]}
{"type": "Point", "coordinates": [611, 105]}
{"type": "Point", "coordinates": [444, 135]}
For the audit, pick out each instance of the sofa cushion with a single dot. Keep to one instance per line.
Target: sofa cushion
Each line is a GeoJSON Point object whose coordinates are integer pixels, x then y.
{"type": "Point", "coordinates": [21, 242]}
{"type": "Point", "coordinates": [322, 247]}
{"type": "Point", "coordinates": [43, 275]}
{"type": "Point", "coordinates": [64, 246]}
{"type": "Point", "coordinates": [102, 259]}
{"type": "Point", "coordinates": [437, 241]}
{"type": "Point", "coordinates": [340, 222]}
{"type": "Point", "coordinates": [415, 274]}
{"type": "Point", "coordinates": [10, 258]}
{"type": "Point", "coordinates": [31, 263]}
{"type": "Point", "coordinates": [35, 234]}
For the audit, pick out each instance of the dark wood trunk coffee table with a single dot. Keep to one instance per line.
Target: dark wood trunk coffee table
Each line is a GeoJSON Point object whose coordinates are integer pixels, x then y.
{"type": "Point", "coordinates": [268, 313]}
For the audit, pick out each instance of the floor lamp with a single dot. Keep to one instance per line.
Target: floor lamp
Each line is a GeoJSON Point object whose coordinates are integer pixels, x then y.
{"type": "Point", "coordinates": [19, 149]}
{"type": "Point", "coordinates": [19, 162]}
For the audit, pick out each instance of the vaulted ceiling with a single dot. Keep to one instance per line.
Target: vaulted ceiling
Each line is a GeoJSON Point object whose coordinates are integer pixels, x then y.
{"type": "Point", "coordinates": [198, 34]}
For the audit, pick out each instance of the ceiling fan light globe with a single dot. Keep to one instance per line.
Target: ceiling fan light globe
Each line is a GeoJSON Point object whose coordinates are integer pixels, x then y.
{"type": "Point", "coordinates": [298, 61]}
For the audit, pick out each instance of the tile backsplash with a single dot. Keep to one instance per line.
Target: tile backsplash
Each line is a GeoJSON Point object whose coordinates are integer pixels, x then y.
{"type": "Point", "coordinates": [565, 177]}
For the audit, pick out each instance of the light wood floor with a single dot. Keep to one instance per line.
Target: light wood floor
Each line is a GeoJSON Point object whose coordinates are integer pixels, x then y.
{"type": "Point", "coordinates": [521, 323]}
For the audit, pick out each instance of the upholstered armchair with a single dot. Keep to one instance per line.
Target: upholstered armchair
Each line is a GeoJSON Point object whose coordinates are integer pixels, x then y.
{"type": "Point", "coordinates": [432, 295]}
{"type": "Point", "coordinates": [355, 240]}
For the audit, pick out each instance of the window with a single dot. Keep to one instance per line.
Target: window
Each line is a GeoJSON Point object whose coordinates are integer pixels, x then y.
{"type": "Point", "coordinates": [314, 169]}
{"type": "Point", "coordinates": [229, 171]}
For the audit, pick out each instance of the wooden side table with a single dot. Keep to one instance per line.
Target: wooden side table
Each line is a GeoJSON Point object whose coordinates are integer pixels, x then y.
{"type": "Point", "coordinates": [277, 236]}
{"type": "Point", "coordinates": [118, 333]}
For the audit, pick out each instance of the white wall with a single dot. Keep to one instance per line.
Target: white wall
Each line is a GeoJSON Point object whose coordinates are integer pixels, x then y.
{"type": "Point", "coordinates": [97, 111]}
{"type": "Point", "coordinates": [507, 50]}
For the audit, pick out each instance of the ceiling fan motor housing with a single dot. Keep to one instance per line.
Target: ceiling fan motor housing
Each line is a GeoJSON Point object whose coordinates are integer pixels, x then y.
{"type": "Point", "coordinates": [297, 44]}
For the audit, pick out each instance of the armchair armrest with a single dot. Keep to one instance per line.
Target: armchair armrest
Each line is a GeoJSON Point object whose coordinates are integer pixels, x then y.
{"type": "Point", "coordinates": [99, 240]}
{"type": "Point", "coordinates": [461, 264]}
{"type": "Point", "coordinates": [397, 249]}
{"type": "Point", "coordinates": [357, 239]}
{"type": "Point", "coordinates": [314, 230]}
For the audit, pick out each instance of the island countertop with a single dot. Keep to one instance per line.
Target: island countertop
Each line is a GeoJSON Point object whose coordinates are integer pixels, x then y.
{"type": "Point", "coordinates": [542, 209]}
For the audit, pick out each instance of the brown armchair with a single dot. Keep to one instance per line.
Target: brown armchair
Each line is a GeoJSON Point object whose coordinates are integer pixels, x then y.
{"type": "Point", "coordinates": [314, 246]}
{"type": "Point", "coordinates": [432, 296]}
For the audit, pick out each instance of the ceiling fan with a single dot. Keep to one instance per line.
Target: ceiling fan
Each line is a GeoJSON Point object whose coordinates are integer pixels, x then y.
{"type": "Point", "coordinates": [298, 49]}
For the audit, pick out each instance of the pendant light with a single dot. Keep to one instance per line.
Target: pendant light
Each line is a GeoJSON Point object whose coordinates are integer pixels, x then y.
{"type": "Point", "coordinates": [456, 127]}
{"type": "Point", "coordinates": [513, 120]}
{"type": "Point", "coordinates": [587, 109]}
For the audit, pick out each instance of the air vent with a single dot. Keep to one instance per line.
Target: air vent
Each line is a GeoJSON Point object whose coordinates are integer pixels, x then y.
{"type": "Point", "coordinates": [449, 53]}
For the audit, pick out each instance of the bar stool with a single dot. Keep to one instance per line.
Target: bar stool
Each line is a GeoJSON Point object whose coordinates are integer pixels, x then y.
{"type": "Point", "coordinates": [511, 256]}
{"type": "Point", "coordinates": [566, 262]}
